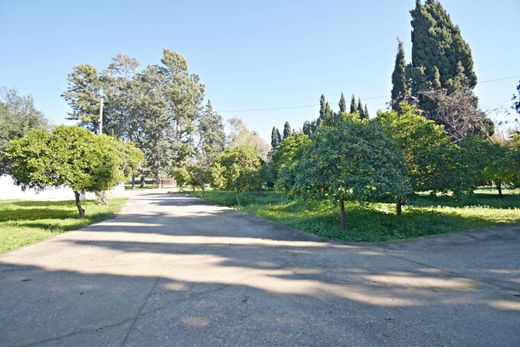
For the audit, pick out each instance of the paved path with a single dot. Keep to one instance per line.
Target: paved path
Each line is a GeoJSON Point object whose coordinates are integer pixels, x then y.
{"type": "Point", "coordinates": [174, 271]}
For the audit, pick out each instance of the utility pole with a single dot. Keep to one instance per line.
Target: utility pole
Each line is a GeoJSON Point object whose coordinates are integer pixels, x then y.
{"type": "Point", "coordinates": [100, 116]}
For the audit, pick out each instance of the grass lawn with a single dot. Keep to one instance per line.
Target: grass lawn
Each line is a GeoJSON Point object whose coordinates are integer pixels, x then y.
{"type": "Point", "coordinates": [26, 222]}
{"type": "Point", "coordinates": [424, 215]}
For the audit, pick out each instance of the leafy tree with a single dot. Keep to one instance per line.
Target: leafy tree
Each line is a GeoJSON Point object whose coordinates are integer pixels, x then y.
{"type": "Point", "coordinates": [423, 143]}
{"type": "Point", "coordinates": [400, 85]}
{"type": "Point", "coordinates": [17, 116]}
{"type": "Point", "coordinates": [211, 135]}
{"type": "Point", "coordinates": [285, 160]}
{"type": "Point", "coordinates": [237, 169]}
{"type": "Point", "coordinates": [366, 115]}
{"type": "Point", "coordinates": [182, 176]}
{"type": "Point", "coordinates": [241, 135]}
{"type": "Point", "coordinates": [84, 96]}
{"type": "Point", "coordinates": [287, 131]}
{"type": "Point", "coordinates": [353, 107]}
{"type": "Point", "coordinates": [68, 156]}
{"type": "Point", "coordinates": [352, 160]}
{"type": "Point", "coordinates": [342, 104]}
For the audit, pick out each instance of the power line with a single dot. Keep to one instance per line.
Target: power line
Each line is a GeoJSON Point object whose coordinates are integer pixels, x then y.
{"type": "Point", "coordinates": [315, 105]}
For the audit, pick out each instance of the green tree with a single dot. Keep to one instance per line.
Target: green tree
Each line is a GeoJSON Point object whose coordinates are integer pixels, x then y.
{"type": "Point", "coordinates": [424, 144]}
{"type": "Point", "coordinates": [285, 160]}
{"type": "Point", "coordinates": [323, 114]}
{"type": "Point", "coordinates": [366, 115]}
{"type": "Point", "coordinates": [84, 96]}
{"type": "Point", "coordinates": [17, 116]}
{"type": "Point", "coordinates": [307, 127]}
{"type": "Point", "coordinates": [516, 99]}
{"type": "Point", "coordinates": [241, 135]}
{"type": "Point", "coordinates": [237, 169]}
{"type": "Point", "coordinates": [353, 107]}
{"type": "Point", "coordinates": [68, 156]}
{"type": "Point", "coordinates": [287, 130]}
{"type": "Point", "coordinates": [352, 160]}
{"type": "Point", "coordinates": [342, 104]}
{"type": "Point", "coordinates": [440, 56]}
{"type": "Point", "coordinates": [400, 85]}
{"type": "Point", "coordinates": [274, 137]}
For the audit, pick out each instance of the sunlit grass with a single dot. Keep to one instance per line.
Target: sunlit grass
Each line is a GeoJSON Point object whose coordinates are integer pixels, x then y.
{"type": "Point", "coordinates": [424, 215]}
{"type": "Point", "coordinates": [26, 222]}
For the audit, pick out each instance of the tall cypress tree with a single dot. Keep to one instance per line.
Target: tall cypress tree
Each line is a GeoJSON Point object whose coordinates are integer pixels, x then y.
{"type": "Point", "coordinates": [365, 112]}
{"type": "Point", "coordinates": [287, 131]}
{"type": "Point", "coordinates": [342, 104]}
{"type": "Point", "coordinates": [438, 47]}
{"type": "Point", "coordinates": [307, 127]}
{"type": "Point", "coordinates": [360, 107]}
{"type": "Point", "coordinates": [400, 85]}
{"type": "Point", "coordinates": [274, 137]}
{"type": "Point", "coordinates": [322, 107]}
{"type": "Point", "coordinates": [353, 106]}
{"type": "Point", "coordinates": [328, 111]}
{"type": "Point", "coordinates": [278, 136]}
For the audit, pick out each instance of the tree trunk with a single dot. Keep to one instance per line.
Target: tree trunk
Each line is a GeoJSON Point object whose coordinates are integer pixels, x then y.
{"type": "Point", "coordinates": [203, 187]}
{"type": "Point", "coordinates": [399, 205]}
{"type": "Point", "coordinates": [133, 181]}
{"type": "Point", "coordinates": [499, 187]}
{"type": "Point", "coordinates": [238, 196]}
{"type": "Point", "coordinates": [342, 214]}
{"type": "Point", "coordinates": [81, 211]}
{"type": "Point", "coordinates": [142, 181]}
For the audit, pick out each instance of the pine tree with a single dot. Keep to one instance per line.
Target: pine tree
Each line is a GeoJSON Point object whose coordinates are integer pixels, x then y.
{"type": "Point", "coordinates": [437, 45]}
{"type": "Point", "coordinates": [353, 106]}
{"type": "Point", "coordinates": [359, 108]}
{"type": "Point", "coordinates": [342, 104]}
{"type": "Point", "coordinates": [278, 136]}
{"type": "Point", "coordinates": [274, 137]}
{"type": "Point", "coordinates": [400, 85]}
{"type": "Point", "coordinates": [287, 131]}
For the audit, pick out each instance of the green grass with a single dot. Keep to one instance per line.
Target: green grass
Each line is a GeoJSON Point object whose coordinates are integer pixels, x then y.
{"type": "Point", "coordinates": [26, 222]}
{"type": "Point", "coordinates": [424, 214]}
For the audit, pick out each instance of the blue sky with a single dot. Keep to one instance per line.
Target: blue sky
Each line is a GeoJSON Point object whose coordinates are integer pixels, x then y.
{"type": "Point", "coordinates": [251, 55]}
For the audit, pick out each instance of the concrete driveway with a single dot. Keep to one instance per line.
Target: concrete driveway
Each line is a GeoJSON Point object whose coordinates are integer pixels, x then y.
{"type": "Point", "coordinates": [172, 270]}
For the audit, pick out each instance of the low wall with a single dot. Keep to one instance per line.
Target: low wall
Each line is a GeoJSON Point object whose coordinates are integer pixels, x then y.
{"type": "Point", "coordinates": [8, 191]}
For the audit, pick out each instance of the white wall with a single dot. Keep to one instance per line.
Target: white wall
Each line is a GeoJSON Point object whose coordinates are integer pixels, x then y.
{"type": "Point", "coordinates": [8, 190]}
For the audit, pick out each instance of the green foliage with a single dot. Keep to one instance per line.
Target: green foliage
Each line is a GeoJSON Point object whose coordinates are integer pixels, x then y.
{"type": "Point", "coordinates": [353, 107]}
{"type": "Point", "coordinates": [400, 85]}
{"type": "Point", "coordinates": [440, 56]}
{"type": "Point", "coordinates": [237, 169]}
{"type": "Point", "coordinates": [26, 222]}
{"type": "Point", "coordinates": [424, 144]}
{"type": "Point", "coordinates": [17, 116]}
{"type": "Point", "coordinates": [287, 130]}
{"type": "Point", "coordinates": [285, 161]}
{"type": "Point", "coordinates": [352, 160]}
{"type": "Point", "coordinates": [83, 95]}
{"type": "Point", "coordinates": [342, 104]}
{"type": "Point", "coordinates": [69, 156]}
{"type": "Point", "coordinates": [182, 176]}
{"type": "Point", "coordinates": [275, 137]}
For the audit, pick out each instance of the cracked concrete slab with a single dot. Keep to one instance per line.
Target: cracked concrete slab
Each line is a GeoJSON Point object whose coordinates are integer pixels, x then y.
{"type": "Point", "coordinates": [173, 270]}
